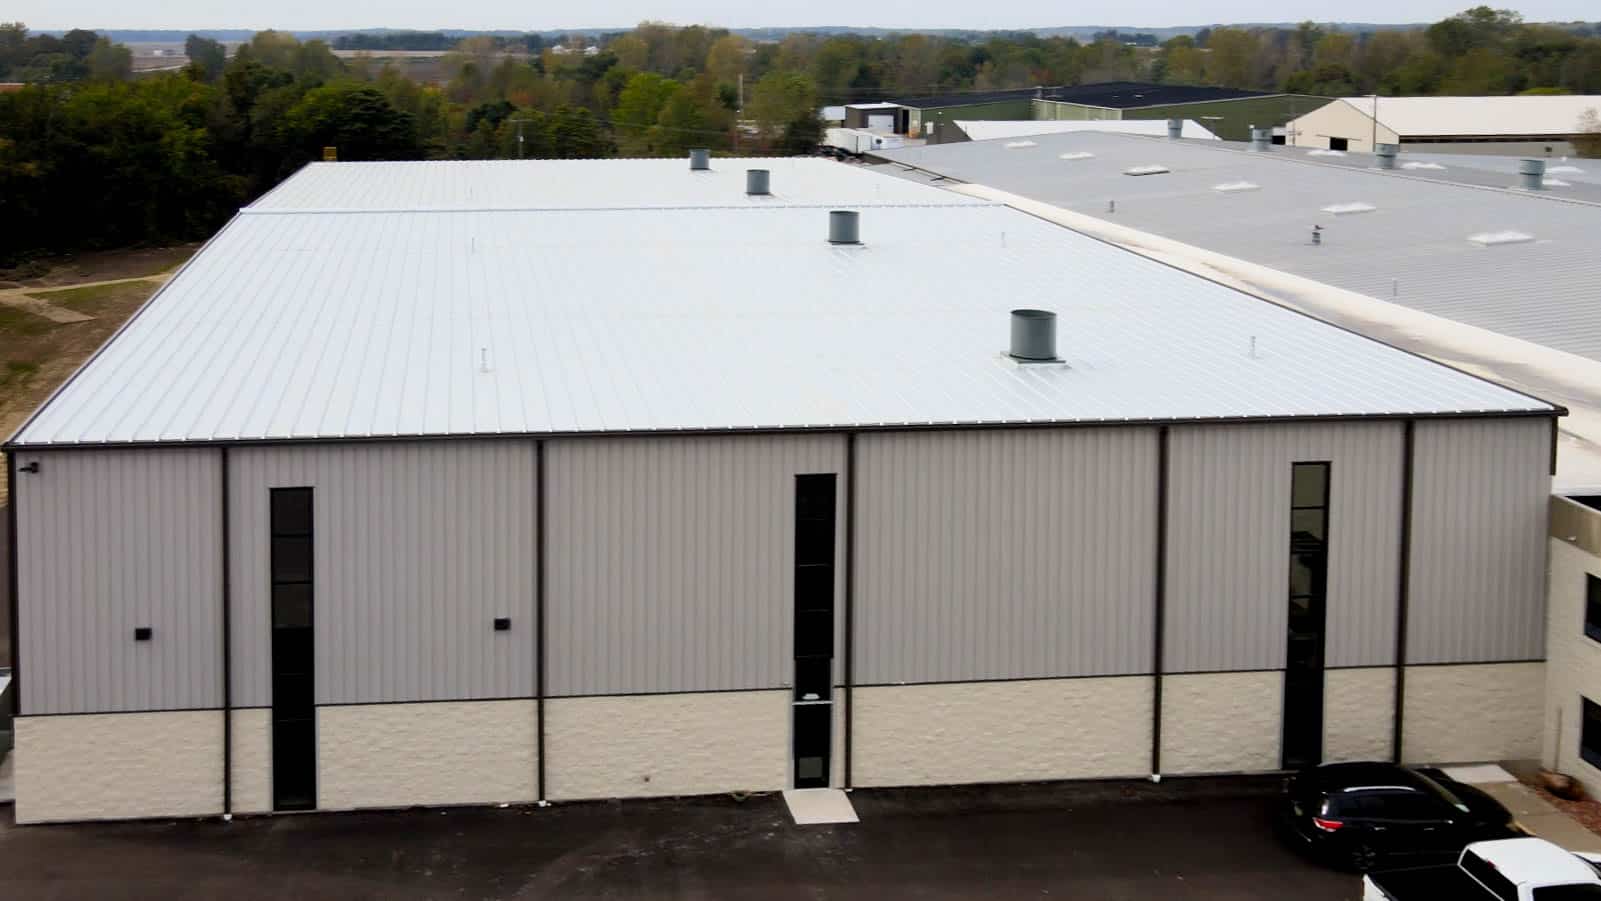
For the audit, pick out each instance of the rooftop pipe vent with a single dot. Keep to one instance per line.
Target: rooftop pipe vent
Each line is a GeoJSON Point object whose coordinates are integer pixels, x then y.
{"type": "Point", "coordinates": [1533, 174]}
{"type": "Point", "coordinates": [1175, 129]}
{"type": "Point", "coordinates": [1034, 336]}
{"type": "Point", "coordinates": [844, 227]}
{"type": "Point", "coordinates": [700, 159]}
{"type": "Point", "coordinates": [1386, 154]}
{"type": "Point", "coordinates": [1261, 139]}
{"type": "Point", "coordinates": [758, 181]}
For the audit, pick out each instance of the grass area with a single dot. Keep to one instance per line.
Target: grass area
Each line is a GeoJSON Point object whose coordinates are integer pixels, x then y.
{"type": "Point", "coordinates": [91, 299]}
{"type": "Point", "coordinates": [16, 323]}
{"type": "Point", "coordinates": [94, 266]}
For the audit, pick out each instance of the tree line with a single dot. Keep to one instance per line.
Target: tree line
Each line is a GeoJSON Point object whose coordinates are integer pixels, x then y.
{"type": "Point", "coordinates": [92, 155]}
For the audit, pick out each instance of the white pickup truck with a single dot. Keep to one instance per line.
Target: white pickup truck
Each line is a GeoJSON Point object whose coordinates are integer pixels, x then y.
{"type": "Point", "coordinates": [1509, 869]}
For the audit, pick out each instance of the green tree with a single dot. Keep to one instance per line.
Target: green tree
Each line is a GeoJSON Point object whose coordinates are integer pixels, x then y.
{"type": "Point", "coordinates": [638, 109]}
{"type": "Point", "coordinates": [109, 62]}
{"type": "Point", "coordinates": [779, 99]}
{"type": "Point", "coordinates": [208, 57]}
{"type": "Point", "coordinates": [355, 118]}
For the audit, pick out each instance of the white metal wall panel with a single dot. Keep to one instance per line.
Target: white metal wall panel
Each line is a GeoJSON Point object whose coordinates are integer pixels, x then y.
{"type": "Point", "coordinates": [1229, 536]}
{"type": "Point", "coordinates": [671, 560]}
{"type": "Point", "coordinates": [1005, 554]}
{"type": "Point", "coordinates": [108, 541]}
{"type": "Point", "coordinates": [1481, 495]}
{"type": "Point", "coordinates": [418, 547]}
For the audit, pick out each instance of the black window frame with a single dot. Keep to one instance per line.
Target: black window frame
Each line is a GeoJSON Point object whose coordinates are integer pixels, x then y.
{"type": "Point", "coordinates": [1592, 607]}
{"type": "Point", "coordinates": [291, 518]}
{"type": "Point", "coordinates": [1589, 731]}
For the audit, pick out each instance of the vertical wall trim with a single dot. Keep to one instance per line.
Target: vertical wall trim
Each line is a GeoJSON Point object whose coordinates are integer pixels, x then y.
{"type": "Point", "coordinates": [1555, 433]}
{"type": "Point", "coordinates": [1159, 601]}
{"type": "Point", "coordinates": [850, 592]}
{"type": "Point", "coordinates": [1403, 587]}
{"type": "Point", "coordinates": [227, 647]}
{"type": "Point", "coordinates": [539, 617]}
{"type": "Point", "coordinates": [11, 576]}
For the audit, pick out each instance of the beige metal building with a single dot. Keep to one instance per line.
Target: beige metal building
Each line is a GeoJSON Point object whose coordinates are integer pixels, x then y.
{"type": "Point", "coordinates": [458, 483]}
{"type": "Point", "coordinates": [1528, 126]}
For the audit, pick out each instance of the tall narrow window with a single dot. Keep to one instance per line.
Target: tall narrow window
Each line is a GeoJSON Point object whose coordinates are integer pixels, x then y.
{"type": "Point", "coordinates": [1308, 581]}
{"type": "Point", "coordinates": [1590, 733]}
{"type": "Point", "coordinates": [294, 732]}
{"type": "Point", "coordinates": [1592, 606]}
{"type": "Point", "coordinates": [814, 627]}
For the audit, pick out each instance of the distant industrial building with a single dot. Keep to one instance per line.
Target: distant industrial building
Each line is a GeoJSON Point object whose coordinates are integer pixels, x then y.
{"type": "Point", "coordinates": [457, 483]}
{"type": "Point", "coordinates": [986, 130]}
{"type": "Point", "coordinates": [1528, 126]}
{"type": "Point", "coordinates": [1228, 112]}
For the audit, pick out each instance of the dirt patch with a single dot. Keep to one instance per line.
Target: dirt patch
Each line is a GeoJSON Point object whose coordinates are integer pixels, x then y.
{"type": "Point", "coordinates": [104, 265]}
{"type": "Point", "coordinates": [1586, 812]}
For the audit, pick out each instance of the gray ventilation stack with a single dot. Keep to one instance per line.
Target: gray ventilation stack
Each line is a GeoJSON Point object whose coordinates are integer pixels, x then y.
{"type": "Point", "coordinates": [1034, 336]}
{"type": "Point", "coordinates": [1261, 139]}
{"type": "Point", "coordinates": [700, 159]}
{"type": "Point", "coordinates": [1175, 129]}
{"type": "Point", "coordinates": [1386, 154]}
{"type": "Point", "coordinates": [758, 181]}
{"type": "Point", "coordinates": [1533, 174]}
{"type": "Point", "coordinates": [844, 227]}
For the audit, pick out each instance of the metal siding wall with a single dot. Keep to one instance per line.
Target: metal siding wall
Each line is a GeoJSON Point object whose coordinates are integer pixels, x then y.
{"type": "Point", "coordinates": [1480, 505]}
{"type": "Point", "coordinates": [418, 547]}
{"type": "Point", "coordinates": [1228, 542]}
{"type": "Point", "coordinates": [1005, 554]}
{"type": "Point", "coordinates": [108, 541]}
{"type": "Point", "coordinates": [671, 560]}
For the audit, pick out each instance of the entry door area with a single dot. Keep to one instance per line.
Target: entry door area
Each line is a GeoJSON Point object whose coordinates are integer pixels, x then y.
{"type": "Point", "coordinates": [1309, 568]}
{"type": "Point", "coordinates": [294, 724]}
{"type": "Point", "coordinates": [813, 702]}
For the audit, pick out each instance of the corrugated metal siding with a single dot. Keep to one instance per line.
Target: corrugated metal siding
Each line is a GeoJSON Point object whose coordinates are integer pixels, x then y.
{"type": "Point", "coordinates": [1481, 493]}
{"type": "Point", "coordinates": [671, 560]}
{"type": "Point", "coordinates": [419, 546]}
{"type": "Point", "coordinates": [1003, 555]}
{"type": "Point", "coordinates": [109, 541]}
{"type": "Point", "coordinates": [1228, 542]}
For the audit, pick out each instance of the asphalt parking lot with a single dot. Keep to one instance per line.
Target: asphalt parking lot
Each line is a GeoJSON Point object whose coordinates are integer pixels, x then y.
{"type": "Point", "coordinates": [1184, 839]}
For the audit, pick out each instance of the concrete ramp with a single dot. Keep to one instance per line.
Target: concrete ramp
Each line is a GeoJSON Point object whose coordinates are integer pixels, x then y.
{"type": "Point", "coordinates": [819, 806]}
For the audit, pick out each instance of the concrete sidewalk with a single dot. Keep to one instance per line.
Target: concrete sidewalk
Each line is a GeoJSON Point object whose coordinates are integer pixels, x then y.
{"type": "Point", "coordinates": [1536, 813]}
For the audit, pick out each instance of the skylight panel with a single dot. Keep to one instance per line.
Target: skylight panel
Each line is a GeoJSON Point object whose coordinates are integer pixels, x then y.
{"type": "Point", "coordinates": [1495, 239]}
{"type": "Point", "coordinates": [1146, 170]}
{"type": "Point", "coordinates": [1349, 209]}
{"type": "Point", "coordinates": [1081, 155]}
{"type": "Point", "coordinates": [1231, 187]}
{"type": "Point", "coordinates": [1435, 166]}
{"type": "Point", "coordinates": [1014, 145]}
{"type": "Point", "coordinates": [1564, 170]}
{"type": "Point", "coordinates": [1321, 152]}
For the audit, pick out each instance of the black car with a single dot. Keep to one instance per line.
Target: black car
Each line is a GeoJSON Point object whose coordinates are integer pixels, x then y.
{"type": "Point", "coordinates": [1362, 815]}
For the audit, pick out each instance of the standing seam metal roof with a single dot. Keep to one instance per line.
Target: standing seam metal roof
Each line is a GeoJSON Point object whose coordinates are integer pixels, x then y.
{"type": "Point", "coordinates": [471, 321]}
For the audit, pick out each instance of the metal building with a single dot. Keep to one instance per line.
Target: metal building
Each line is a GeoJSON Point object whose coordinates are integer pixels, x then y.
{"type": "Point", "coordinates": [452, 483]}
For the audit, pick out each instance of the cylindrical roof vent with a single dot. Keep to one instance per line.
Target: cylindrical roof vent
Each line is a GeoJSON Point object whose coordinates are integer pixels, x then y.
{"type": "Point", "coordinates": [1533, 174]}
{"type": "Point", "coordinates": [1386, 154]}
{"type": "Point", "coordinates": [757, 181]}
{"type": "Point", "coordinates": [844, 227]}
{"type": "Point", "coordinates": [1175, 129]}
{"type": "Point", "coordinates": [1261, 138]}
{"type": "Point", "coordinates": [1034, 336]}
{"type": "Point", "coordinates": [700, 158]}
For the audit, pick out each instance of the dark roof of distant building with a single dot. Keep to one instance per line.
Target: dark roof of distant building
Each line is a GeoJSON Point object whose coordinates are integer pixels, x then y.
{"type": "Point", "coordinates": [1115, 94]}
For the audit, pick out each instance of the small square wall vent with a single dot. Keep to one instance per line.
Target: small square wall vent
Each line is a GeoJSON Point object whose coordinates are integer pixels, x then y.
{"type": "Point", "coordinates": [1231, 187]}
{"type": "Point", "coordinates": [1077, 156]}
{"type": "Point", "coordinates": [1146, 170]}
{"type": "Point", "coordinates": [1493, 239]}
{"type": "Point", "coordinates": [1347, 209]}
{"type": "Point", "coordinates": [1014, 145]}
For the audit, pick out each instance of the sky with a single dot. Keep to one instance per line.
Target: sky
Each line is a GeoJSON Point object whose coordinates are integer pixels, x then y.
{"type": "Point", "coordinates": [522, 15]}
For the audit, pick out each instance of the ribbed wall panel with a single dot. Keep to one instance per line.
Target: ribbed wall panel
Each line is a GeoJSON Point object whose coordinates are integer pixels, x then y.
{"type": "Point", "coordinates": [418, 547]}
{"type": "Point", "coordinates": [1229, 535]}
{"type": "Point", "coordinates": [109, 541]}
{"type": "Point", "coordinates": [1005, 554]}
{"type": "Point", "coordinates": [671, 560]}
{"type": "Point", "coordinates": [1480, 503]}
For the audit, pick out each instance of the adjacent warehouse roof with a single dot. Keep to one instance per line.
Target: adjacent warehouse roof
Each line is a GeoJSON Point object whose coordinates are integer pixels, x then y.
{"type": "Point", "coordinates": [1476, 116]}
{"type": "Point", "coordinates": [981, 130]}
{"type": "Point", "coordinates": [1111, 94]}
{"type": "Point", "coordinates": [351, 317]}
{"type": "Point", "coordinates": [1506, 260]}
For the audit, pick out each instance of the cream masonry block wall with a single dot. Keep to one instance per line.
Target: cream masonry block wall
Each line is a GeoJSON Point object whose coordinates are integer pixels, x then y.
{"type": "Point", "coordinates": [252, 760]}
{"type": "Point", "coordinates": [1573, 663]}
{"type": "Point", "coordinates": [397, 755]}
{"type": "Point", "coordinates": [118, 766]}
{"type": "Point", "coordinates": [1472, 712]}
{"type": "Point", "coordinates": [1358, 714]}
{"type": "Point", "coordinates": [1222, 722]}
{"type": "Point", "coordinates": [1002, 731]}
{"type": "Point", "coordinates": [677, 744]}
